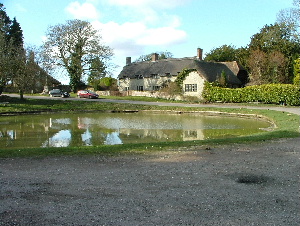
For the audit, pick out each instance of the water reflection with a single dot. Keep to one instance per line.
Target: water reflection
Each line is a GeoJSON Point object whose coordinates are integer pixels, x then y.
{"type": "Point", "coordinates": [61, 130]}
{"type": "Point", "coordinates": [113, 138]}
{"type": "Point", "coordinates": [86, 137]}
{"type": "Point", "coordinates": [60, 139]}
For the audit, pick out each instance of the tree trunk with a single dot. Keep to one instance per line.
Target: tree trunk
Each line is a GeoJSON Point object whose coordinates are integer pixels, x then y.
{"type": "Point", "coordinates": [21, 94]}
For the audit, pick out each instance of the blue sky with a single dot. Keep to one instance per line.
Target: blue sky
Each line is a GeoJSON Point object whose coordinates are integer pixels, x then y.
{"type": "Point", "coordinates": [138, 27]}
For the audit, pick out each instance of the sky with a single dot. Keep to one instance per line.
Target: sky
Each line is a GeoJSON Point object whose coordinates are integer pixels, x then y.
{"type": "Point", "coordinates": [138, 27]}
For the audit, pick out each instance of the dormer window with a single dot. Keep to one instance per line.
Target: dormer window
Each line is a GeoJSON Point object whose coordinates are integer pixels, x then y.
{"type": "Point", "coordinates": [139, 76]}
{"type": "Point", "coordinates": [154, 75]}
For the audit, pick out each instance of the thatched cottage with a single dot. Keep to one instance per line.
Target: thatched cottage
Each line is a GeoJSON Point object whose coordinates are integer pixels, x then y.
{"type": "Point", "coordinates": [155, 74]}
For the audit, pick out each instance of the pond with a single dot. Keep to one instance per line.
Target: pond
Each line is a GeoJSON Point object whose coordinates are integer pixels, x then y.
{"type": "Point", "coordinates": [86, 129]}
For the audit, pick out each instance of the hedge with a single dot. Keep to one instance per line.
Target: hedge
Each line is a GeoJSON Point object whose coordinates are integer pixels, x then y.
{"type": "Point", "coordinates": [270, 93]}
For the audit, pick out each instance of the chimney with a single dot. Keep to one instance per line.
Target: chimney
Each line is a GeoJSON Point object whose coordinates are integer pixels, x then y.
{"type": "Point", "coordinates": [154, 57]}
{"type": "Point", "coordinates": [199, 53]}
{"type": "Point", "coordinates": [128, 60]}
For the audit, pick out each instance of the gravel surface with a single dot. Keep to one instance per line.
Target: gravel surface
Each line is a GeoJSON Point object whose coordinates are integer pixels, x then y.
{"type": "Point", "coordinates": [255, 184]}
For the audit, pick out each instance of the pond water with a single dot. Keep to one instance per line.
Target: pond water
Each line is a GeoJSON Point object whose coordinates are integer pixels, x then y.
{"type": "Point", "coordinates": [85, 129]}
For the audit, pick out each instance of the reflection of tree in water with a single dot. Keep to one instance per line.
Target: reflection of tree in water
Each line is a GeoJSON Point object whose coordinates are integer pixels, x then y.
{"type": "Point", "coordinates": [60, 139]}
{"type": "Point", "coordinates": [113, 138]}
{"type": "Point", "coordinates": [22, 132]}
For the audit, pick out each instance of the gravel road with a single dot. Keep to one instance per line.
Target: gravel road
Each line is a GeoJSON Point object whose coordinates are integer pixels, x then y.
{"type": "Point", "coordinates": [255, 184]}
{"type": "Point", "coordinates": [238, 185]}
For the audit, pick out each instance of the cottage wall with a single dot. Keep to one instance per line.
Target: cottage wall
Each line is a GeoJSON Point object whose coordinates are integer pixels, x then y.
{"type": "Point", "coordinates": [123, 84]}
{"type": "Point", "coordinates": [192, 79]}
{"type": "Point", "coordinates": [148, 84]}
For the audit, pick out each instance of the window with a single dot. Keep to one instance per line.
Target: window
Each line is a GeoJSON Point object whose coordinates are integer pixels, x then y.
{"type": "Point", "coordinates": [190, 134]}
{"type": "Point", "coordinates": [154, 76]}
{"type": "Point", "coordinates": [140, 88]}
{"type": "Point", "coordinates": [190, 88]}
{"type": "Point", "coordinates": [155, 88]}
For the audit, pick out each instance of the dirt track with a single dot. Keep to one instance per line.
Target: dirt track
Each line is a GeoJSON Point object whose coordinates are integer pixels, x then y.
{"type": "Point", "coordinates": [255, 184]}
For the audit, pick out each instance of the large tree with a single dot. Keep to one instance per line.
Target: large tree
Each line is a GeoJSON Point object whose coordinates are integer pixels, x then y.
{"type": "Point", "coordinates": [15, 34]}
{"type": "Point", "coordinates": [18, 71]}
{"type": "Point", "coordinates": [5, 47]}
{"type": "Point", "coordinates": [12, 53]}
{"type": "Point", "coordinates": [73, 46]}
{"type": "Point", "coordinates": [280, 47]}
{"type": "Point", "coordinates": [4, 62]}
{"type": "Point", "coordinates": [291, 17]}
{"type": "Point", "coordinates": [222, 54]}
{"type": "Point", "coordinates": [148, 57]}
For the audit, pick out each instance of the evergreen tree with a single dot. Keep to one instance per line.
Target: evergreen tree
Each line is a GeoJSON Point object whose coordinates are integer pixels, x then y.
{"type": "Point", "coordinates": [5, 48]}
{"type": "Point", "coordinates": [15, 34]}
{"type": "Point", "coordinates": [97, 72]}
{"type": "Point", "coordinates": [5, 21]}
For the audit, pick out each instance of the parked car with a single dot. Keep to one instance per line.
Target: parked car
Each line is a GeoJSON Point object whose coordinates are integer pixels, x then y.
{"type": "Point", "coordinates": [58, 93]}
{"type": "Point", "coordinates": [65, 94]}
{"type": "Point", "coordinates": [87, 94]}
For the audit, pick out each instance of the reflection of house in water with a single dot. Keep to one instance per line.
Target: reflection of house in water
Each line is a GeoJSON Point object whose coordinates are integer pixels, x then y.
{"type": "Point", "coordinates": [148, 135]}
{"type": "Point", "coordinates": [145, 135]}
{"type": "Point", "coordinates": [193, 135]}
{"type": "Point", "coordinates": [138, 128]}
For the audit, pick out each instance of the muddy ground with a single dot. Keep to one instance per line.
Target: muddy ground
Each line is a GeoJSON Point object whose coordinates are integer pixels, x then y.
{"type": "Point", "coordinates": [248, 184]}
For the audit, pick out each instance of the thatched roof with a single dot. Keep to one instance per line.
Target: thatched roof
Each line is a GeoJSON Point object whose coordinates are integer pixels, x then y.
{"type": "Point", "coordinates": [172, 66]}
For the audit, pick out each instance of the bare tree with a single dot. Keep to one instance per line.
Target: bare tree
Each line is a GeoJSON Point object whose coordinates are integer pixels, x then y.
{"type": "Point", "coordinates": [73, 46]}
{"type": "Point", "coordinates": [267, 67]}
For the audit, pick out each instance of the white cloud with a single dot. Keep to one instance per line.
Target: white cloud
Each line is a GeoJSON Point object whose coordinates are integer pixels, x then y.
{"type": "Point", "coordinates": [148, 11]}
{"type": "Point", "coordinates": [131, 38]}
{"type": "Point", "coordinates": [20, 8]}
{"type": "Point", "coordinates": [85, 11]}
{"type": "Point", "coordinates": [162, 36]}
{"type": "Point", "coordinates": [148, 25]}
{"type": "Point", "coordinates": [158, 4]}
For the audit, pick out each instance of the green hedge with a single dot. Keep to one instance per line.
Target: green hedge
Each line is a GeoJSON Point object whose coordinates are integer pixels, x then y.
{"type": "Point", "coordinates": [270, 93]}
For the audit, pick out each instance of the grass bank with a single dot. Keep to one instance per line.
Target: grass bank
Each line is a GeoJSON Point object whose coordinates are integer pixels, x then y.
{"type": "Point", "coordinates": [287, 125]}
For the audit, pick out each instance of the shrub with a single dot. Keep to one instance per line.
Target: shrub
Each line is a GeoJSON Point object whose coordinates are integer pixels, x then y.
{"type": "Point", "coordinates": [297, 72]}
{"type": "Point", "coordinates": [268, 93]}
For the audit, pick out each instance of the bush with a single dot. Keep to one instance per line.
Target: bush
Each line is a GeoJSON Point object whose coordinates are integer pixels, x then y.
{"type": "Point", "coordinates": [270, 93]}
{"type": "Point", "coordinates": [297, 72]}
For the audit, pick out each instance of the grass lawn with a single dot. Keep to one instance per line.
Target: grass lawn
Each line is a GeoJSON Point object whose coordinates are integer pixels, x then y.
{"type": "Point", "coordinates": [287, 125]}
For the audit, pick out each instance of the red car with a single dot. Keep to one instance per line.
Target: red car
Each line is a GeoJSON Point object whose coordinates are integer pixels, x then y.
{"type": "Point", "coordinates": [87, 94]}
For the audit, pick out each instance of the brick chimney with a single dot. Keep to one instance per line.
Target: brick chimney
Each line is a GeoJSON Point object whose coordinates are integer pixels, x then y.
{"type": "Point", "coordinates": [128, 60]}
{"type": "Point", "coordinates": [199, 53]}
{"type": "Point", "coordinates": [154, 57]}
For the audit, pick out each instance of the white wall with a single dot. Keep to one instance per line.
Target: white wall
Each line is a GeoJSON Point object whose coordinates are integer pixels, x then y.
{"type": "Point", "coordinates": [194, 78]}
